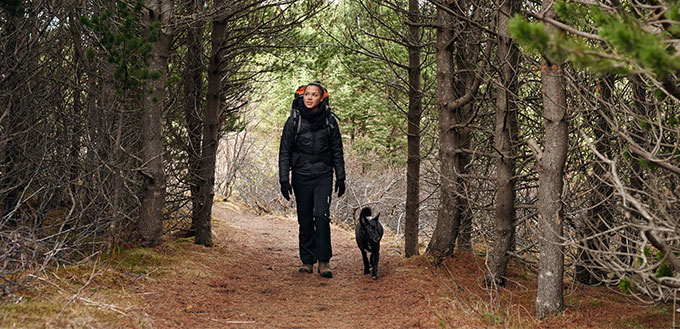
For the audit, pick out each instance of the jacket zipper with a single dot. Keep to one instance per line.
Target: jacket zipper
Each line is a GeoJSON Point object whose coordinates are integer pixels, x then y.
{"type": "Point", "coordinates": [314, 142]}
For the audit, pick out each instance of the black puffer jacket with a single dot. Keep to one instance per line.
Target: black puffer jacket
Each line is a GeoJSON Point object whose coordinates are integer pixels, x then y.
{"type": "Point", "coordinates": [317, 149]}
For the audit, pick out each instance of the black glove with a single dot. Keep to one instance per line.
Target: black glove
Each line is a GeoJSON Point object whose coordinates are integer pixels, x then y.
{"type": "Point", "coordinates": [340, 187]}
{"type": "Point", "coordinates": [286, 190]}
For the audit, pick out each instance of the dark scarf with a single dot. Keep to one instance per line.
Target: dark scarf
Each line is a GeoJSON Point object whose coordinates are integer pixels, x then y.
{"type": "Point", "coordinates": [316, 119]}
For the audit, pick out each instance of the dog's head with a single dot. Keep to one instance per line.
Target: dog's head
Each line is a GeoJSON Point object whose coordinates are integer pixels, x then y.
{"type": "Point", "coordinates": [370, 225]}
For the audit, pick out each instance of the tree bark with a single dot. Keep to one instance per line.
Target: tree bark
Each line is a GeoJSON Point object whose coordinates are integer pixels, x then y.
{"type": "Point", "coordinates": [153, 197]}
{"type": "Point", "coordinates": [210, 134]}
{"type": "Point", "coordinates": [551, 162]}
{"type": "Point", "coordinates": [466, 82]}
{"type": "Point", "coordinates": [448, 218]}
{"type": "Point", "coordinates": [193, 109]}
{"type": "Point", "coordinates": [505, 137]}
{"type": "Point", "coordinates": [464, 241]}
{"type": "Point", "coordinates": [413, 139]}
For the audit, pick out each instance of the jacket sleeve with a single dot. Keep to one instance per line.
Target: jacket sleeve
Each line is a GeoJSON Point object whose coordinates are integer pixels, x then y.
{"type": "Point", "coordinates": [336, 151]}
{"type": "Point", "coordinates": [285, 150]}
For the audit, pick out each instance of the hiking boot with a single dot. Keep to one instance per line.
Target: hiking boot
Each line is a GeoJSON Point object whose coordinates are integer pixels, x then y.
{"type": "Point", "coordinates": [325, 270]}
{"type": "Point", "coordinates": [306, 268]}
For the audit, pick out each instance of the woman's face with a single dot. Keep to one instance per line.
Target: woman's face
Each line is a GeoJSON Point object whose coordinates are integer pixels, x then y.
{"type": "Point", "coordinates": [312, 97]}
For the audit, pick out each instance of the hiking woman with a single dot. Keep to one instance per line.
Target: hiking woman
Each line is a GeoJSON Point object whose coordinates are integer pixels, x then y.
{"type": "Point", "coordinates": [311, 147]}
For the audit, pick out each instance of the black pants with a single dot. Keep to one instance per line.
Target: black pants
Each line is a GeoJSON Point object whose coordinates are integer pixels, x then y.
{"type": "Point", "coordinates": [313, 197]}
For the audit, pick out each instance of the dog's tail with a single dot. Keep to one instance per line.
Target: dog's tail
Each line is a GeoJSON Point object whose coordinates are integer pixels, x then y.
{"type": "Point", "coordinates": [365, 212]}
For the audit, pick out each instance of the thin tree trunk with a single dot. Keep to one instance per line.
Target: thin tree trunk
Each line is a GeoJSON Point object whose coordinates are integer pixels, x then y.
{"type": "Point", "coordinates": [586, 270]}
{"type": "Point", "coordinates": [466, 57]}
{"type": "Point", "coordinates": [101, 100]}
{"type": "Point", "coordinates": [210, 134]}
{"type": "Point", "coordinates": [550, 299]}
{"type": "Point", "coordinates": [628, 246]}
{"type": "Point", "coordinates": [505, 136]}
{"type": "Point", "coordinates": [464, 241]}
{"type": "Point", "coordinates": [414, 115]}
{"type": "Point", "coordinates": [193, 108]}
{"type": "Point", "coordinates": [448, 218]}
{"type": "Point", "coordinates": [114, 221]}
{"type": "Point", "coordinates": [153, 196]}
{"type": "Point", "coordinates": [640, 107]}
{"type": "Point", "coordinates": [105, 101]}
{"type": "Point", "coordinates": [77, 112]}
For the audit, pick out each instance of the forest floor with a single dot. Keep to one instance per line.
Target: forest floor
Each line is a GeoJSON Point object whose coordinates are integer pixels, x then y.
{"type": "Point", "coordinates": [249, 279]}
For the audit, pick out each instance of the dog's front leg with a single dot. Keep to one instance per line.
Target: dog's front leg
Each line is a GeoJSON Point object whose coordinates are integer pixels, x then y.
{"type": "Point", "coordinates": [375, 256]}
{"type": "Point", "coordinates": [367, 268]}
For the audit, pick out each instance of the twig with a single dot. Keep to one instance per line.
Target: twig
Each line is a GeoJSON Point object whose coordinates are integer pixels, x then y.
{"type": "Point", "coordinates": [74, 297]}
{"type": "Point", "coordinates": [538, 154]}
{"type": "Point", "coordinates": [108, 306]}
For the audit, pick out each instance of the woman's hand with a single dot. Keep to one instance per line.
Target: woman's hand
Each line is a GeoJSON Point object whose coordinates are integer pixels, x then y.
{"type": "Point", "coordinates": [286, 190]}
{"type": "Point", "coordinates": [340, 187]}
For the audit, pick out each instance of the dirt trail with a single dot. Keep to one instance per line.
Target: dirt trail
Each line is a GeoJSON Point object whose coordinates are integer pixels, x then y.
{"type": "Point", "coordinates": [252, 282]}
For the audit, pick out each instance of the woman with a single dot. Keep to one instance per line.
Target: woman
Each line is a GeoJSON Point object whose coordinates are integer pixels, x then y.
{"type": "Point", "coordinates": [312, 147]}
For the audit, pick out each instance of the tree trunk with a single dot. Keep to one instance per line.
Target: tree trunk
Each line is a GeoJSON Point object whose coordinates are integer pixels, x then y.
{"type": "Point", "coordinates": [153, 197]}
{"type": "Point", "coordinates": [193, 108]}
{"type": "Point", "coordinates": [464, 241]}
{"type": "Point", "coordinates": [448, 218]}
{"type": "Point", "coordinates": [551, 164]}
{"type": "Point", "coordinates": [505, 137]}
{"type": "Point", "coordinates": [629, 247]}
{"type": "Point", "coordinates": [210, 135]}
{"type": "Point", "coordinates": [414, 114]}
{"type": "Point", "coordinates": [640, 107]}
{"type": "Point", "coordinates": [105, 101]}
{"type": "Point", "coordinates": [77, 111]}
{"type": "Point", "coordinates": [101, 99]}
{"type": "Point", "coordinates": [587, 270]}
{"type": "Point", "coordinates": [466, 57]}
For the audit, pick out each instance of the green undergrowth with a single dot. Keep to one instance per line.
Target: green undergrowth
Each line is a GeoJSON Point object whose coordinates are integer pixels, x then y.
{"type": "Point", "coordinates": [21, 314]}
{"type": "Point", "coordinates": [97, 293]}
{"type": "Point", "coordinates": [148, 261]}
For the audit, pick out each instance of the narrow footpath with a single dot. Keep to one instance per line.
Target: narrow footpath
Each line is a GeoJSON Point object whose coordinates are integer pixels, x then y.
{"type": "Point", "coordinates": [250, 280]}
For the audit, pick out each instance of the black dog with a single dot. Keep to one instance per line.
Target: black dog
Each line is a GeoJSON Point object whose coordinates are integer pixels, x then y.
{"type": "Point", "coordinates": [368, 235]}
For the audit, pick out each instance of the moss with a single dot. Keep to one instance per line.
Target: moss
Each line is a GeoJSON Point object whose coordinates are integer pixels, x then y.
{"type": "Point", "coordinates": [626, 286]}
{"type": "Point", "coordinates": [664, 271]}
{"type": "Point", "coordinates": [139, 261]}
{"type": "Point", "coordinates": [30, 308]}
{"type": "Point", "coordinates": [46, 314]}
{"type": "Point", "coordinates": [27, 314]}
{"type": "Point", "coordinates": [493, 319]}
{"type": "Point", "coordinates": [179, 245]}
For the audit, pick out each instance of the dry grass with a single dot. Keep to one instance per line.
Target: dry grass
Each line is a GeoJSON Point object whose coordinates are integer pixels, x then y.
{"type": "Point", "coordinates": [100, 293]}
{"type": "Point", "coordinates": [513, 306]}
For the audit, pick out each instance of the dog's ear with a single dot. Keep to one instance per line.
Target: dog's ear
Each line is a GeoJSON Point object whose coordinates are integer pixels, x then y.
{"type": "Point", "coordinates": [362, 220]}
{"type": "Point", "coordinates": [376, 217]}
